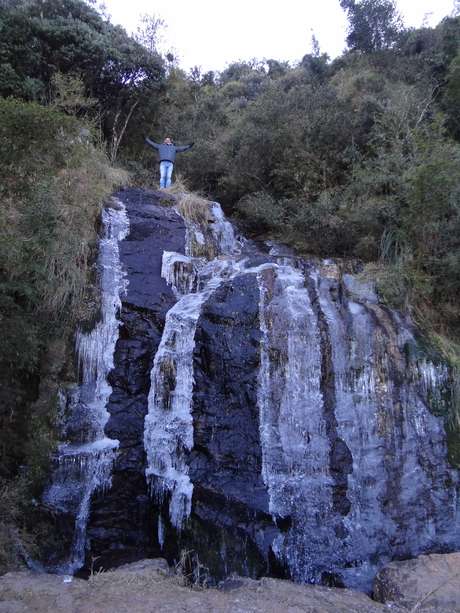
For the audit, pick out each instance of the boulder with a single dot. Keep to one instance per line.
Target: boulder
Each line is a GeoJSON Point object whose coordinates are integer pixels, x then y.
{"type": "Point", "coordinates": [429, 583]}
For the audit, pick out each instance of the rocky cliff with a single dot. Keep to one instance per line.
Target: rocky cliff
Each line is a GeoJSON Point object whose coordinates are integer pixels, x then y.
{"type": "Point", "coordinates": [265, 412]}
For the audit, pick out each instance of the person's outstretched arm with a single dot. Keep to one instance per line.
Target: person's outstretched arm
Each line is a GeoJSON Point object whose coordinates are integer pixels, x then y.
{"type": "Point", "coordinates": [152, 143]}
{"type": "Point", "coordinates": [181, 148]}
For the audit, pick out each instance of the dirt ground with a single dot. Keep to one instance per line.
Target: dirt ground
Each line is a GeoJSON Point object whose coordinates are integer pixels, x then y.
{"type": "Point", "coordinates": [148, 587]}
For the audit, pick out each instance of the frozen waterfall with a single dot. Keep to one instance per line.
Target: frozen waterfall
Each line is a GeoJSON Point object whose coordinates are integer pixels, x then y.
{"type": "Point", "coordinates": [284, 420]}
{"type": "Point", "coordinates": [348, 444]}
{"type": "Point", "coordinates": [168, 434]}
{"type": "Point", "coordinates": [83, 463]}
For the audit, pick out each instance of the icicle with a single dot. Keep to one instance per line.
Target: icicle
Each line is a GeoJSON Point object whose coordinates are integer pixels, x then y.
{"type": "Point", "coordinates": [86, 467]}
{"type": "Point", "coordinates": [161, 531]}
{"type": "Point", "coordinates": [224, 233]}
{"type": "Point", "coordinates": [181, 272]}
{"type": "Point", "coordinates": [289, 396]}
{"type": "Point", "coordinates": [168, 433]}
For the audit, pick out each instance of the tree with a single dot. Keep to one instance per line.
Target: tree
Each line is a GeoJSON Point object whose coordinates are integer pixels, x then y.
{"type": "Point", "coordinates": [373, 24]}
{"type": "Point", "coordinates": [68, 95]}
{"type": "Point", "coordinates": [315, 48]}
{"type": "Point", "coordinates": [149, 32]}
{"type": "Point", "coordinates": [68, 37]}
{"type": "Point", "coordinates": [451, 100]}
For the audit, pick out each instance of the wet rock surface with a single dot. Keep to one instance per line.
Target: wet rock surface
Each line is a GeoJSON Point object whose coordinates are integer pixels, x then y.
{"type": "Point", "coordinates": [226, 457]}
{"type": "Point", "coordinates": [230, 498]}
{"type": "Point", "coordinates": [303, 437]}
{"type": "Point", "coordinates": [121, 521]}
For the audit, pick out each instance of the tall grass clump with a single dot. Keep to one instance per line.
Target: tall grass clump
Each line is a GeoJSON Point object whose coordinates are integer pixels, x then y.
{"type": "Point", "coordinates": [190, 205]}
{"type": "Point", "coordinates": [52, 183]}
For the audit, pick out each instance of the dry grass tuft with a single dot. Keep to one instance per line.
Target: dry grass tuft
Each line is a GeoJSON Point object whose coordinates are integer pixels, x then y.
{"type": "Point", "coordinates": [117, 177]}
{"type": "Point", "coordinates": [80, 192]}
{"type": "Point", "coordinates": [190, 572]}
{"type": "Point", "coordinates": [194, 208]}
{"type": "Point", "coordinates": [191, 206]}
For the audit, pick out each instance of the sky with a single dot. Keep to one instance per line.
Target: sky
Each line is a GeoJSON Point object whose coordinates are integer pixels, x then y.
{"type": "Point", "coordinates": [213, 33]}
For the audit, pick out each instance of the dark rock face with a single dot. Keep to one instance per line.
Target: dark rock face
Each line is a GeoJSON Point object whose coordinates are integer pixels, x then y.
{"type": "Point", "coordinates": [153, 229]}
{"type": "Point", "coordinates": [226, 457]}
{"type": "Point", "coordinates": [230, 500]}
{"type": "Point", "coordinates": [121, 522]}
{"type": "Point", "coordinates": [314, 452]}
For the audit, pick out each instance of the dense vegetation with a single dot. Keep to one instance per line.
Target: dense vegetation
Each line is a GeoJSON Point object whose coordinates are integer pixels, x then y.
{"type": "Point", "coordinates": [356, 157]}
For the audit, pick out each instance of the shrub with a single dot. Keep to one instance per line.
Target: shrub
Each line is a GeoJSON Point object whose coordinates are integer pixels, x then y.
{"type": "Point", "coordinates": [52, 183]}
{"type": "Point", "coordinates": [262, 213]}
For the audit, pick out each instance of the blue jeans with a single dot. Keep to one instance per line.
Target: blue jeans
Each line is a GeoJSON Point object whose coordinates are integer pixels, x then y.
{"type": "Point", "coordinates": [166, 169]}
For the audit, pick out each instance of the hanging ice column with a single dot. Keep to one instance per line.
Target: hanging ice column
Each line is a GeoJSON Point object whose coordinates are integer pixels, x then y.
{"type": "Point", "coordinates": [289, 395]}
{"type": "Point", "coordinates": [293, 427]}
{"type": "Point", "coordinates": [351, 454]}
{"type": "Point", "coordinates": [84, 462]}
{"type": "Point", "coordinates": [168, 434]}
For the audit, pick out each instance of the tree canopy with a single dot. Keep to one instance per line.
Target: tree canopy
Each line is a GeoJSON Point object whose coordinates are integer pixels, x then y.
{"type": "Point", "coordinates": [373, 24]}
{"type": "Point", "coordinates": [40, 39]}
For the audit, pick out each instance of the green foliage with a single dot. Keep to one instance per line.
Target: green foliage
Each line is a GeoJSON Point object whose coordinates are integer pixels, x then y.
{"type": "Point", "coordinates": [47, 169]}
{"type": "Point", "coordinates": [261, 212]}
{"type": "Point", "coordinates": [14, 539]}
{"type": "Point", "coordinates": [373, 24]}
{"type": "Point", "coordinates": [68, 94]}
{"type": "Point", "coordinates": [452, 97]}
{"type": "Point", "coordinates": [65, 51]}
{"type": "Point", "coordinates": [149, 32]}
{"type": "Point", "coordinates": [25, 531]}
{"type": "Point", "coordinates": [52, 182]}
{"type": "Point", "coordinates": [40, 39]}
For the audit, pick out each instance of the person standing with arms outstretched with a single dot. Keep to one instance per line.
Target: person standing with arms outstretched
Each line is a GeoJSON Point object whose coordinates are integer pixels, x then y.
{"type": "Point", "coordinates": [167, 153]}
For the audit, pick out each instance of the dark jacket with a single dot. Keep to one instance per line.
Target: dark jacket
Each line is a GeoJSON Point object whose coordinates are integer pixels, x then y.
{"type": "Point", "coordinates": [167, 153]}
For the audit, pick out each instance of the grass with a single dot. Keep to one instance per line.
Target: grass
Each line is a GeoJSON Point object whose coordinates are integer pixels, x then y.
{"type": "Point", "coordinates": [52, 186]}
{"type": "Point", "coordinates": [190, 205]}
{"type": "Point", "coordinates": [81, 193]}
{"type": "Point", "coordinates": [190, 572]}
{"type": "Point", "coordinates": [196, 210]}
